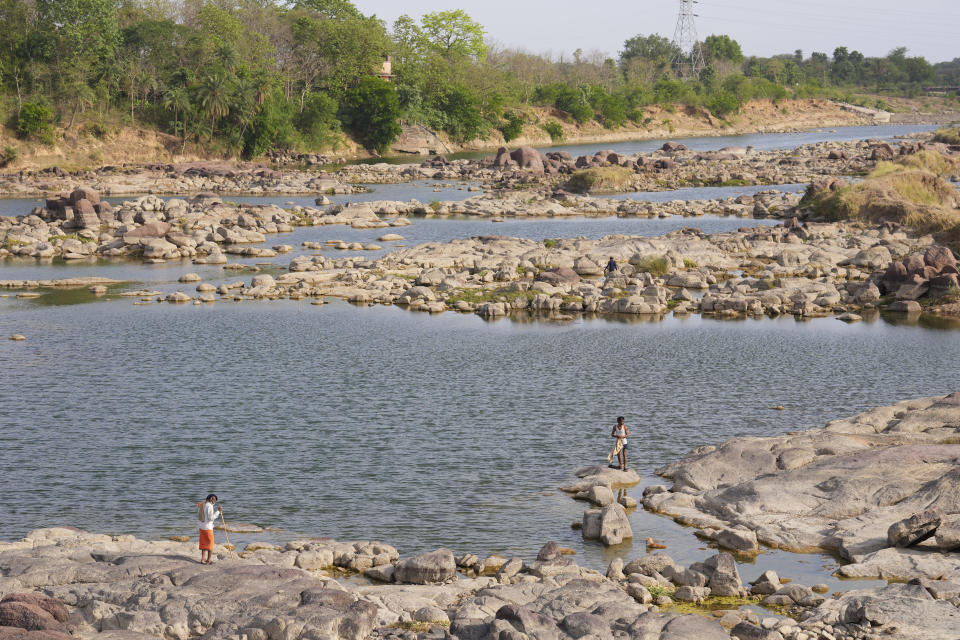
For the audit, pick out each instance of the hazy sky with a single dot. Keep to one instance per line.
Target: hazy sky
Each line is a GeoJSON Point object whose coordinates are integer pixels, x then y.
{"type": "Point", "coordinates": [930, 28]}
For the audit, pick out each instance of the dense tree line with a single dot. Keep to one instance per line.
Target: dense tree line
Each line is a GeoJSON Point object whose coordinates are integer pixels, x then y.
{"type": "Point", "coordinates": [251, 75]}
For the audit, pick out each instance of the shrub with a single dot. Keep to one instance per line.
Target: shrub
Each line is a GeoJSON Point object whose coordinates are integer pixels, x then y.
{"type": "Point", "coordinates": [371, 111]}
{"type": "Point", "coordinates": [947, 135]}
{"type": "Point", "coordinates": [723, 104]}
{"type": "Point", "coordinates": [599, 179]}
{"type": "Point", "coordinates": [613, 111]}
{"type": "Point", "coordinates": [657, 266]}
{"type": "Point", "coordinates": [907, 191]}
{"type": "Point", "coordinates": [513, 127]}
{"type": "Point", "coordinates": [549, 243]}
{"type": "Point", "coordinates": [462, 117]}
{"type": "Point", "coordinates": [689, 264]}
{"type": "Point", "coordinates": [271, 126]}
{"type": "Point", "coordinates": [34, 121]}
{"type": "Point", "coordinates": [8, 156]}
{"type": "Point", "coordinates": [554, 130]}
{"type": "Point", "coordinates": [317, 122]}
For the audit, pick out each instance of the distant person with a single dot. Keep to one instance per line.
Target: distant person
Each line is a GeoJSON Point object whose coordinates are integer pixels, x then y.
{"type": "Point", "coordinates": [620, 432]}
{"type": "Point", "coordinates": [611, 265]}
{"type": "Point", "coordinates": [207, 514]}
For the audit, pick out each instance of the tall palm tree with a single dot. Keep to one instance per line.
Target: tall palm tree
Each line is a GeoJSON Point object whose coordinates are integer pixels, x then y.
{"type": "Point", "coordinates": [215, 94]}
{"type": "Point", "coordinates": [178, 101]}
{"type": "Point", "coordinates": [84, 97]}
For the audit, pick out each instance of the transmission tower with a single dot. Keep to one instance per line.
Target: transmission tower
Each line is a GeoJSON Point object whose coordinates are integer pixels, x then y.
{"type": "Point", "coordinates": [689, 60]}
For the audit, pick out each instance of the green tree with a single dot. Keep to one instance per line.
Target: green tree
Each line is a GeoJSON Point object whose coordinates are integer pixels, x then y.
{"type": "Point", "coordinates": [654, 48]}
{"type": "Point", "coordinates": [722, 47]}
{"type": "Point", "coordinates": [270, 127]}
{"type": "Point", "coordinates": [178, 101]}
{"type": "Point", "coordinates": [463, 119]}
{"type": "Point", "coordinates": [214, 95]}
{"type": "Point", "coordinates": [317, 121]}
{"type": "Point", "coordinates": [332, 9]}
{"type": "Point", "coordinates": [371, 111]}
{"type": "Point", "coordinates": [453, 34]}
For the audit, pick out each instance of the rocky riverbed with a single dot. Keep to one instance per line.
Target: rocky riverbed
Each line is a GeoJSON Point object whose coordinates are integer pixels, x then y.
{"type": "Point", "coordinates": [813, 271]}
{"type": "Point", "coordinates": [671, 167]}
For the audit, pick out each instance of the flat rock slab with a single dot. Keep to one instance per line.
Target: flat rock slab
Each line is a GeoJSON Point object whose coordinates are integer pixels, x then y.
{"type": "Point", "coordinates": [839, 488]}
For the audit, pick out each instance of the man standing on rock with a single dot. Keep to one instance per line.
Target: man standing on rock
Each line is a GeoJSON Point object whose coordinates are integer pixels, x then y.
{"type": "Point", "coordinates": [611, 266]}
{"type": "Point", "coordinates": [620, 432]}
{"type": "Point", "coordinates": [207, 514]}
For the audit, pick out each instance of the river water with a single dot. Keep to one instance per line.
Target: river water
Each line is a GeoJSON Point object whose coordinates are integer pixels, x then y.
{"type": "Point", "coordinates": [422, 431]}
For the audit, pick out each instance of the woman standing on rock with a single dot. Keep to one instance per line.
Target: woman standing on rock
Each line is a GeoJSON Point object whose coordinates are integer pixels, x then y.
{"type": "Point", "coordinates": [207, 514]}
{"type": "Point", "coordinates": [620, 432]}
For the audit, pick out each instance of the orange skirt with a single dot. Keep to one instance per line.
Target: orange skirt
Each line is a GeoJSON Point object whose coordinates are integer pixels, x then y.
{"type": "Point", "coordinates": [206, 539]}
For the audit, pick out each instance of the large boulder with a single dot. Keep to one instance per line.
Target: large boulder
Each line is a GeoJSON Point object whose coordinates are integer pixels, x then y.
{"type": "Point", "coordinates": [725, 580]}
{"type": "Point", "coordinates": [84, 215]}
{"type": "Point", "coordinates": [528, 158]}
{"type": "Point", "coordinates": [503, 158]}
{"type": "Point", "coordinates": [915, 529]}
{"type": "Point", "coordinates": [426, 568]}
{"type": "Point", "coordinates": [614, 525]}
{"type": "Point", "coordinates": [84, 193]}
{"type": "Point", "coordinates": [939, 257]}
{"type": "Point", "coordinates": [27, 616]}
{"type": "Point", "coordinates": [51, 605]}
{"type": "Point", "coordinates": [559, 276]}
{"type": "Point", "coordinates": [150, 230]}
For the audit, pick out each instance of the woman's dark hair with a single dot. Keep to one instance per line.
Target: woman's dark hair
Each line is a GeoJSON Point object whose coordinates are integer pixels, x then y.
{"type": "Point", "coordinates": [619, 419]}
{"type": "Point", "coordinates": [212, 495]}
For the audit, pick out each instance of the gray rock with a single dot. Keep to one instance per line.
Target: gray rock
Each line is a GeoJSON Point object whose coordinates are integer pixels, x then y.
{"type": "Point", "coordinates": [748, 631]}
{"type": "Point", "coordinates": [426, 568]}
{"type": "Point", "coordinates": [948, 533]}
{"type": "Point", "coordinates": [691, 594]}
{"type": "Point", "coordinates": [915, 529]}
{"type": "Point", "coordinates": [614, 525]}
{"type": "Point", "coordinates": [725, 580]}
{"type": "Point", "coordinates": [649, 564]}
{"type": "Point", "coordinates": [742, 540]}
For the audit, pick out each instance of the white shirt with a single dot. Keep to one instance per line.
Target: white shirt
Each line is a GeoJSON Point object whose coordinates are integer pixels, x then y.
{"type": "Point", "coordinates": [621, 432]}
{"type": "Point", "coordinates": [209, 515]}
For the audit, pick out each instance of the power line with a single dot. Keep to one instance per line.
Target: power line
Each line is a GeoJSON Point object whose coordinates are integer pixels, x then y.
{"type": "Point", "coordinates": [689, 60]}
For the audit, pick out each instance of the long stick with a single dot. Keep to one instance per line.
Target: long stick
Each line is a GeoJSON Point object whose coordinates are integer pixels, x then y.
{"type": "Point", "coordinates": [228, 546]}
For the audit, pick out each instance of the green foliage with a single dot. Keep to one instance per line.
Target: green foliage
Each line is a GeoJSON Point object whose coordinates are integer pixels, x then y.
{"type": "Point", "coordinates": [565, 98]}
{"type": "Point", "coordinates": [462, 118]}
{"type": "Point", "coordinates": [452, 35]}
{"type": "Point", "coordinates": [722, 47]}
{"type": "Point", "coordinates": [658, 590]}
{"type": "Point", "coordinates": [34, 121]}
{"type": "Point", "coordinates": [554, 130]}
{"type": "Point", "coordinates": [947, 135]}
{"type": "Point", "coordinates": [271, 127]}
{"type": "Point", "coordinates": [723, 104]}
{"type": "Point", "coordinates": [371, 112]}
{"type": "Point", "coordinates": [317, 122]}
{"type": "Point", "coordinates": [8, 156]}
{"type": "Point", "coordinates": [597, 179]}
{"type": "Point", "coordinates": [205, 71]}
{"type": "Point", "coordinates": [550, 243]}
{"type": "Point", "coordinates": [513, 126]}
{"type": "Point", "coordinates": [689, 264]}
{"type": "Point", "coordinates": [657, 266]}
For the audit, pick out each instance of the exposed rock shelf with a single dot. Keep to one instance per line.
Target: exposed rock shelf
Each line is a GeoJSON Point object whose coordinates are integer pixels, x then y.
{"type": "Point", "coordinates": [874, 488]}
